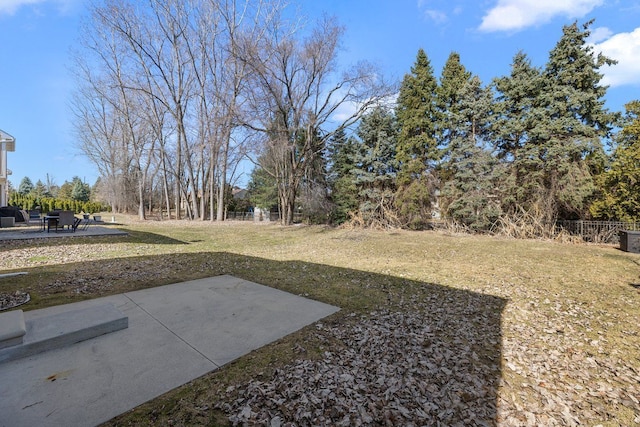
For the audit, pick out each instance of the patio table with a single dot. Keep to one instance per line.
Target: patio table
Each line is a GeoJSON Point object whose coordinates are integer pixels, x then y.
{"type": "Point", "coordinates": [48, 220]}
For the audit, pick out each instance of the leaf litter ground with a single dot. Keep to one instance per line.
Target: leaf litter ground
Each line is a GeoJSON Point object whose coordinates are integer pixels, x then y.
{"type": "Point", "coordinates": [435, 329]}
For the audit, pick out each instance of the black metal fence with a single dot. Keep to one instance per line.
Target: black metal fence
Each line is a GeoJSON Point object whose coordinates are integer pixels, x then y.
{"type": "Point", "coordinates": [240, 216]}
{"type": "Point", "coordinates": [589, 231]}
{"type": "Point", "coordinates": [597, 231]}
{"type": "Point", "coordinates": [265, 216]}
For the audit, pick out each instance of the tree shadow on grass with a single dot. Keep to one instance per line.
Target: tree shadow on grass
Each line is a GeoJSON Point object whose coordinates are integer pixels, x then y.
{"type": "Point", "coordinates": [459, 333]}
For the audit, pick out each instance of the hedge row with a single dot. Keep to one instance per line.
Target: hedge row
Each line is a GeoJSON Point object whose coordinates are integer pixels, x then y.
{"type": "Point", "coordinates": [47, 204]}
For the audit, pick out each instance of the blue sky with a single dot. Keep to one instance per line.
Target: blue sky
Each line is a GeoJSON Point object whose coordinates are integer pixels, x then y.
{"type": "Point", "coordinates": [36, 37]}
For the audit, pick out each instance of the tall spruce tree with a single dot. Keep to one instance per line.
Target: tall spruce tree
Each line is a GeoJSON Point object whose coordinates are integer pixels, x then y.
{"type": "Point", "coordinates": [518, 96]}
{"type": "Point", "coordinates": [620, 184]}
{"type": "Point", "coordinates": [39, 190]}
{"type": "Point", "coordinates": [415, 112]}
{"type": "Point", "coordinates": [515, 101]}
{"type": "Point", "coordinates": [417, 151]}
{"type": "Point", "coordinates": [453, 78]}
{"type": "Point", "coordinates": [471, 195]}
{"type": "Point", "coordinates": [571, 121]}
{"type": "Point", "coordinates": [375, 169]}
{"type": "Point", "coordinates": [263, 189]}
{"type": "Point", "coordinates": [26, 186]}
{"type": "Point", "coordinates": [80, 191]}
{"type": "Point", "coordinates": [344, 194]}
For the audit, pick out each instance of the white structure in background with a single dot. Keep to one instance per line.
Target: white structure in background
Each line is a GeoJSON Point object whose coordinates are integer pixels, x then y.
{"type": "Point", "coordinates": [7, 143]}
{"type": "Point", "coordinates": [260, 214]}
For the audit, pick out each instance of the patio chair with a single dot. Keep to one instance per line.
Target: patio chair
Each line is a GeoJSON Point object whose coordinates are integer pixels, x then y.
{"type": "Point", "coordinates": [25, 217]}
{"type": "Point", "coordinates": [67, 219]}
{"type": "Point", "coordinates": [32, 217]}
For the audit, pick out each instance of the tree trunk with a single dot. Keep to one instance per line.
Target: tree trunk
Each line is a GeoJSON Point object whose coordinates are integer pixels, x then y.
{"type": "Point", "coordinates": [165, 188]}
{"type": "Point", "coordinates": [178, 187]}
{"type": "Point", "coordinates": [212, 189]}
{"type": "Point", "coordinates": [141, 180]}
{"type": "Point", "coordinates": [203, 196]}
{"type": "Point", "coordinates": [141, 210]}
{"type": "Point", "coordinates": [223, 181]}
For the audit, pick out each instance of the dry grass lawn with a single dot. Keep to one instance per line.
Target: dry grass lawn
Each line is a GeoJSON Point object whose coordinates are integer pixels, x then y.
{"type": "Point", "coordinates": [546, 333]}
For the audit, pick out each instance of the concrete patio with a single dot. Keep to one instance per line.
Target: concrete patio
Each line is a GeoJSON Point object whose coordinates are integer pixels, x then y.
{"type": "Point", "coordinates": [175, 334]}
{"type": "Point", "coordinates": [24, 232]}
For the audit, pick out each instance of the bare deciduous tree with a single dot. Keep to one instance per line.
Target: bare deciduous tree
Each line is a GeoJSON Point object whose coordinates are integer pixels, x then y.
{"type": "Point", "coordinates": [296, 93]}
{"type": "Point", "coordinates": [174, 89]}
{"type": "Point", "coordinates": [161, 83]}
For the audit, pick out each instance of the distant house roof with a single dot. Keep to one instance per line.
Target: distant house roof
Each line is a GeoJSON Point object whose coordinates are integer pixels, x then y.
{"type": "Point", "coordinates": [8, 142]}
{"type": "Point", "coordinates": [239, 193]}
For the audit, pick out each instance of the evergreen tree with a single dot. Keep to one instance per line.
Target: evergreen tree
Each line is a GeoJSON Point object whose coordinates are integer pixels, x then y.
{"type": "Point", "coordinates": [471, 195]}
{"type": "Point", "coordinates": [571, 122]}
{"type": "Point", "coordinates": [340, 151]}
{"type": "Point", "coordinates": [453, 78]}
{"type": "Point", "coordinates": [40, 190]}
{"type": "Point", "coordinates": [376, 168]}
{"type": "Point", "coordinates": [79, 190]}
{"type": "Point", "coordinates": [344, 194]}
{"type": "Point", "coordinates": [417, 151]}
{"type": "Point", "coordinates": [620, 184]}
{"type": "Point", "coordinates": [515, 102]}
{"type": "Point", "coordinates": [415, 112]}
{"type": "Point", "coordinates": [26, 186]}
{"type": "Point", "coordinates": [65, 191]}
{"type": "Point", "coordinates": [262, 189]}
{"type": "Point", "coordinates": [514, 118]}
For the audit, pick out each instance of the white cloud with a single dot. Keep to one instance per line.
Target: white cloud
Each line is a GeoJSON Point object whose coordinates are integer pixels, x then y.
{"type": "Point", "coordinates": [436, 15]}
{"type": "Point", "coordinates": [11, 6]}
{"type": "Point", "coordinates": [514, 15]}
{"type": "Point", "coordinates": [599, 34]}
{"type": "Point", "coordinates": [438, 11]}
{"type": "Point", "coordinates": [624, 48]}
{"type": "Point", "coordinates": [345, 111]}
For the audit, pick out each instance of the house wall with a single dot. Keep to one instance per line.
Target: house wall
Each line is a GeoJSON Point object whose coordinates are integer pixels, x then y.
{"type": "Point", "coordinates": [3, 175]}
